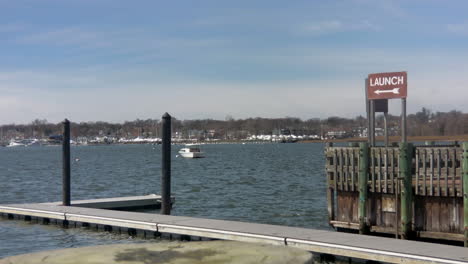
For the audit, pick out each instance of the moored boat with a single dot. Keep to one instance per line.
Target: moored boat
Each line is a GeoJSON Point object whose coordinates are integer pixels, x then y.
{"type": "Point", "coordinates": [191, 152]}
{"type": "Point", "coordinates": [24, 143]}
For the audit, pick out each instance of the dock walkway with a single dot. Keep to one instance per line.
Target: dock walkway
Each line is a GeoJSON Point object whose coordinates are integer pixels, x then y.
{"type": "Point", "coordinates": [151, 201]}
{"type": "Point", "coordinates": [319, 241]}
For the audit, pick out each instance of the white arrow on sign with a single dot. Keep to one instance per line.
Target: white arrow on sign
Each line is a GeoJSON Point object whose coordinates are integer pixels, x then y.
{"type": "Point", "coordinates": [393, 91]}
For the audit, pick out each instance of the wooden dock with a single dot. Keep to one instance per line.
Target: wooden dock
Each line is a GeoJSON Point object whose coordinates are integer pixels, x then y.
{"type": "Point", "coordinates": [189, 228]}
{"type": "Point", "coordinates": [415, 194]}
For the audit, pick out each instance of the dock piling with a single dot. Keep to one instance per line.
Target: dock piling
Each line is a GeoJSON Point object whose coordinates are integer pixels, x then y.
{"type": "Point", "coordinates": [363, 172]}
{"type": "Point", "coordinates": [166, 165]}
{"type": "Point", "coordinates": [406, 154]}
{"type": "Point", "coordinates": [66, 163]}
{"type": "Point", "coordinates": [331, 180]}
{"type": "Point", "coordinates": [465, 191]}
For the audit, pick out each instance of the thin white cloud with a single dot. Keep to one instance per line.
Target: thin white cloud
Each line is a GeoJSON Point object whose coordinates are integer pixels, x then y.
{"type": "Point", "coordinates": [366, 25]}
{"type": "Point", "coordinates": [459, 29]}
{"type": "Point", "coordinates": [118, 95]}
{"type": "Point", "coordinates": [11, 27]}
{"type": "Point", "coordinates": [385, 8]}
{"type": "Point", "coordinates": [9, 102]}
{"type": "Point", "coordinates": [105, 38]}
{"type": "Point", "coordinates": [323, 27]}
{"type": "Point", "coordinates": [68, 36]}
{"type": "Point", "coordinates": [335, 26]}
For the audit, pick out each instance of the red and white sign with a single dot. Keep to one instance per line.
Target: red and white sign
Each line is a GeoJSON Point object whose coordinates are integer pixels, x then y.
{"type": "Point", "coordinates": [387, 85]}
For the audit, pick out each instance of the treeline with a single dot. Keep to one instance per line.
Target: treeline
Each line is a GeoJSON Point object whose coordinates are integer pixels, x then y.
{"type": "Point", "coordinates": [427, 123]}
{"type": "Point", "coordinates": [422, 123]}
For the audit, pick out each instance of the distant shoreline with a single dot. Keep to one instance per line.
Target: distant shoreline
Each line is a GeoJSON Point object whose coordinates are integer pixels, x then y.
{"type": "Point", "coordinates": [392, 139]}
{"type": "Point", "coordinates": [459, 138]}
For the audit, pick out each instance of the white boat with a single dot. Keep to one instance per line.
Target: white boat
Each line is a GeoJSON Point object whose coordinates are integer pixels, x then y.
{"type": "Point", "coordinates": [15, 144]}
{"type": "Point", "coordinates": [191, 152]}
{"type": "Point", "coordinates": [24, 143]}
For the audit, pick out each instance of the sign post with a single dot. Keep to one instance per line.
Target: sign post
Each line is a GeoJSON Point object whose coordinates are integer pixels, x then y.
{"type": "Point", "coordinates": [403, 120]}
{"type": "Point", "coordinates": [368, 112]}
{"type": "Point", "coordinates": [385, 128]}
{"type": "Point", "coordinates": [372, 118]}
{"type": "Point", "coordinates": [388, 85]}
{"type": "Point", "coordinates": [379, 88]}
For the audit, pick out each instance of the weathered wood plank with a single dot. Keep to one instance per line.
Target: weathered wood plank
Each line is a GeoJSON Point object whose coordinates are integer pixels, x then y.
{"type": "Point", "coordinates": [373, 186]}
{"type": "Point", "coordinates": [330, 198]}
{"type": "Point", "coordinates": [353, 171]}
{"type": "Point", "coordinates": [340, 170]}
{"type": "Point", "coordinates": [439, 172]}
{"type": "Point", "coordinates": [416, 187]}
{"type": "Point", "coordinates": [424, 172]}
{"type": "Point", "coordinates": [444, 220]}
{"type": "Point", "coordinates": [431, 155]}
{"type": "Point", "coordinates": [383, 169]}
{"type": "Point", "coordinates": [446, 161]}
{"type": "Point", "coordinates": [454, 171]}
{"type": "Point", "coordinates": [335, 163]}
{"type": "Point", "coordinates": [428, 211]}
{"type": "Point", "coordinates": [346, 169]}
{"type": "Point", "coordinates": [390, 169]}
{"type": "Point", "coordinates": [435, 215]}
{"type": "Point", "coordinates": [379, 178]}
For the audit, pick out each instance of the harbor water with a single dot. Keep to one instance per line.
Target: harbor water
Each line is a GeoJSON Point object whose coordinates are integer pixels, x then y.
{"type": "Point", "coordinates": [281, 184]}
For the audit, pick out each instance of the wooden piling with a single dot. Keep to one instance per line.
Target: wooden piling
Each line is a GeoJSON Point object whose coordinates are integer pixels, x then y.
{"type": "Point", "coordinates": [66, 164]}
{"type": "Point", "coordinates": [406, 154]}
{"type": "Point", "coordinates": [465, 191]}
{"type": "Point", "coordinates": [166, 165]}
{"type": "Point", "coordinates": [363, 176]}
{"type": "Point", "coordinates": [331, 180]}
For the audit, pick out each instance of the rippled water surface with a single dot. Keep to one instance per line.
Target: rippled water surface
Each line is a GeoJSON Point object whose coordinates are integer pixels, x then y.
{"type": "Point", "coordinates": [282, 184]}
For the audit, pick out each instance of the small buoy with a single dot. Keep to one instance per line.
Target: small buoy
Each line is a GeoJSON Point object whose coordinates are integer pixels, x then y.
{"type": "Point", "coordinates": [77, 159]}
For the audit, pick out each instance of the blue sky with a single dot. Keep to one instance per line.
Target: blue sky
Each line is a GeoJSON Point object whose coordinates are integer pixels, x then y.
{"type": "Point", "coordinates": [92, 60]}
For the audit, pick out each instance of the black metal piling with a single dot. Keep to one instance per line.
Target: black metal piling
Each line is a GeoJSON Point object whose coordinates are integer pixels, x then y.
{"type": "Point", "coordinates": [166, 165]}
{"type": "Point", "coordinates": [66, 163]}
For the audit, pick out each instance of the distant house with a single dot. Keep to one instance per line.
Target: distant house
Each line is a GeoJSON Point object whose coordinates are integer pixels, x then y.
{"type": "Point", "coordinates": [378, 132]}
{"type": "Point", "coordinates": [55, 139]}
{"type": "Point", "coordinates": [336, 134]}
{"type": "Point", "coordinates": [285, 132]}
{"type": "Point", "coordinates": [211, 133]}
